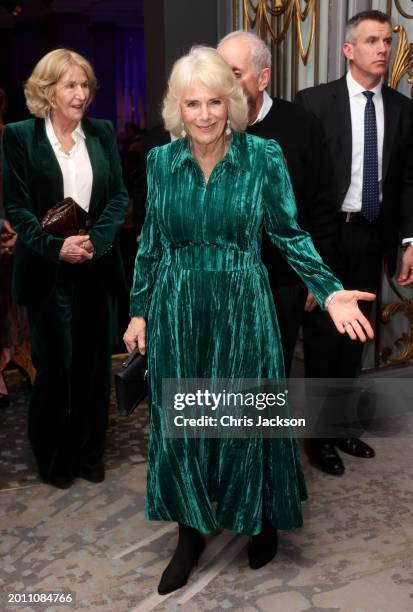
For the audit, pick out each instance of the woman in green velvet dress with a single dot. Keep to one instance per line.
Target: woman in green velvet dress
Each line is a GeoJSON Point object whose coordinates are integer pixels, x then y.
{"type": "Point", "coordinates": [201, 286]}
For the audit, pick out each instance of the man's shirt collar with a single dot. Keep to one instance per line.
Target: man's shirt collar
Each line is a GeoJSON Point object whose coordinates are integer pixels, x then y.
{"type": "Point", "coordinates": [267, 103]}
{"type": "Point", "coordinates": [354, 88]}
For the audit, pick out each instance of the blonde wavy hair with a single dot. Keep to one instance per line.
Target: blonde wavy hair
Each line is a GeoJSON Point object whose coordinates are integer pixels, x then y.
{"type": "Point", "coordinates": [203, 65]}
{"type": "Point", "coordinates": [39, 87]}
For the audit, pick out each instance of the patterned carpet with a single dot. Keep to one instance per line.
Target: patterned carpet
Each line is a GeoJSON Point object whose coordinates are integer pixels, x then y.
{"type": "Point", "coordinates": [126, 439]}
{"type": "Point", "coordinates": [353, 554]}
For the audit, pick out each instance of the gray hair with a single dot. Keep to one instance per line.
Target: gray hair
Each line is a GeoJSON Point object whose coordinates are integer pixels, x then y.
{"type": "Point", "coordinates": [355, 21]}
{"type": "Point", "coordinates": [260, 53]}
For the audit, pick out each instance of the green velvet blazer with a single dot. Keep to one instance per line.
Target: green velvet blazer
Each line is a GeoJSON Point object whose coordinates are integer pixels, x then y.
{"type": "Point", "coordinates": [33, 183]}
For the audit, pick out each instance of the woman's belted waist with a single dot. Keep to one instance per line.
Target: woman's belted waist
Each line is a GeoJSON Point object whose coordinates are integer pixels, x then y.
{"type": "Point", "coordinates": [212, 258]}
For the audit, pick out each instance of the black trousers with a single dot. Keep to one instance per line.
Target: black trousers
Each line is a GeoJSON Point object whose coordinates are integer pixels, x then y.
{"type": "Point", "coordinates": [289, 303]}
{"type": "Point", "coordinates": [71, 351]}
{"type": "Point", "coordinates": [327, 353]}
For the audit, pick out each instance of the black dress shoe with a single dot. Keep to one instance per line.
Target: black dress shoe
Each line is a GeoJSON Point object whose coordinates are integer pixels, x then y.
{"type": "Point", "coordinates": [96, 474]}
{"type": "Point", "coordinates": [324, 456]}
{"type": "Point", "coordinates": [190, 547]}
{"type": "Point", "coordinates": [61, 482]}
{"type": "Point", "coordinates": [263, 547]}
{"type": "Point", "coordinates": [355, 447]}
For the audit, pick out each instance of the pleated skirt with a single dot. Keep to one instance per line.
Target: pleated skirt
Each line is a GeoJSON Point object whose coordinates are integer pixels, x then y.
{"type": "Point", "coordinates": [217, 324]}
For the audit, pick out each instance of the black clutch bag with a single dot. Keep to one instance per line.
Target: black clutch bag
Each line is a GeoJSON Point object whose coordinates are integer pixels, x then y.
{"type": "Point", "coordinates": [131, 384]}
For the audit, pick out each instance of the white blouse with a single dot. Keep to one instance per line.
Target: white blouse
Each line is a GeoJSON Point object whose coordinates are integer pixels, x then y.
{"type": "Point", "coordinates": [75, 165]}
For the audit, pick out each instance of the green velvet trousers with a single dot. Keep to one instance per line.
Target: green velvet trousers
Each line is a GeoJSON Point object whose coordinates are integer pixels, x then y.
{"type": "Point", "coordinates": [71, 350]}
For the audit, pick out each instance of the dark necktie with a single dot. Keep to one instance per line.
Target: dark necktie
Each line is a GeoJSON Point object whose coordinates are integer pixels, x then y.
{"type": "Point", "coordinates": [370, 206]}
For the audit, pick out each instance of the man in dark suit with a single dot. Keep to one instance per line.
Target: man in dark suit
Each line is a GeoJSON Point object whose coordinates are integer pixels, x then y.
{"type": "Point", "coordinates": [300, 136]}
{"type": "Point", "coordinates": [368, 134]}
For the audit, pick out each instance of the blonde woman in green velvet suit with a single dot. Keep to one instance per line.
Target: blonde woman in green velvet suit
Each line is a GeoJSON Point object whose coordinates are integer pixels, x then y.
{"type": "Point", "coordinates": [202, 288]}
{"type": "Point", "coordinates": [66, 285]}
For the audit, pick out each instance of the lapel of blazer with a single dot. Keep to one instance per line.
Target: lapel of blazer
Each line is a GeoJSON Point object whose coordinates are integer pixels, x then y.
{"type": "Point", "coordinates": [391, 120]}
{"type": "Point", "coordinates": [46, 161]}
{"type": "Point", "coordinates": [342, 115]}
{"type": "Point", "coordinates": [98, 162]}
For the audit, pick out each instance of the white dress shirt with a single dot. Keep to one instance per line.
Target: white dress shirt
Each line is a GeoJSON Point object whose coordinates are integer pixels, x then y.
{"type": "Point", "coordinates": [75, 165]}
{"type": "Point", "coordinates": [352, 201]}
{"type": "Point", "coordinates": [267, 102]}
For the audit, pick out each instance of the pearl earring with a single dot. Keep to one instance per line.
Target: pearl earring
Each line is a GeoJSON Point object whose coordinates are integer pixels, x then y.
{"type": "Point", "coordinates": [228, 128]}
{"type": "Point", "coordinates": [183, 132]}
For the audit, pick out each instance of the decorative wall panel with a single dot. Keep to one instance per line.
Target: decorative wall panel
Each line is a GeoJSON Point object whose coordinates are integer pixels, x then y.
{"type": "Point", "coordinates": [296, 31]}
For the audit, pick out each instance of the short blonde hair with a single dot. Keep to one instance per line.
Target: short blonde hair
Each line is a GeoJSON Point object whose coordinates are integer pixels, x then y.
{"type": "Point", "coordinates": [40, 86]}
{"type": "Point", "coordinates": [206, 66]}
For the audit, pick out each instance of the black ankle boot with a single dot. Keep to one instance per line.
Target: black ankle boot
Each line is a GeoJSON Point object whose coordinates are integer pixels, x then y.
{"type": "Point", "coordinates": [189, 549]}
{"type": "Point", "coordinates": [263, 547]}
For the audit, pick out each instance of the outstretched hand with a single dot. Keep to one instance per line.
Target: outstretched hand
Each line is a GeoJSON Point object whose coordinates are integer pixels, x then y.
{"type": "Point", "coordinates": [347, 316]}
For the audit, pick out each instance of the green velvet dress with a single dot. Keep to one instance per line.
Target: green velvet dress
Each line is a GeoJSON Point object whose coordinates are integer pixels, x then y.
{"type": "Point", "coordinates": [200, 283]}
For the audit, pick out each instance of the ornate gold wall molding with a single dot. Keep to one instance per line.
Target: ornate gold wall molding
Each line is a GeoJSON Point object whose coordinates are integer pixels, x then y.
{"type": "Point", "coordinates": [402, 65]}
{"type": "Point", "coordinates": [402, 12]}
{"type": "Point", "coordinates": [404, 344]}
{"type": "Point", "coordinates": [403, 61]}
{"type": "Point", "coordinates": [291, 28]}
{"type": "Point", "coordinates": [260, 16]}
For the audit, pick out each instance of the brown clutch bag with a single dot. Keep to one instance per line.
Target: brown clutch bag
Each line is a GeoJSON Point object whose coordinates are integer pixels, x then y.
{"type": "Point", "coordinates": [66, 219]}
